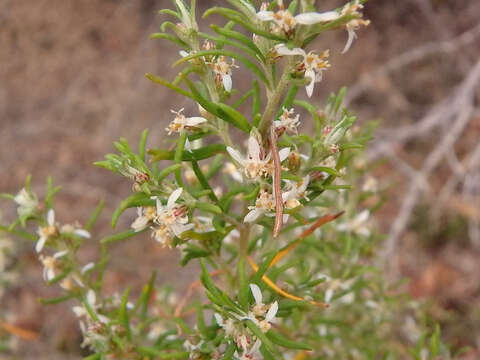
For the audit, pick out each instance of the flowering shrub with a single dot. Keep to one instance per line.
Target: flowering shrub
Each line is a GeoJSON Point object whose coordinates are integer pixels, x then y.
{"type": "Point", "coordinates": [281, 225]}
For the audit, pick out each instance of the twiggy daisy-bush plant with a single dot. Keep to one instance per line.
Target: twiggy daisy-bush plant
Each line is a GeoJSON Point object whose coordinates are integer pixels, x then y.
{"type": "Point", "coordinates": [280, 223]}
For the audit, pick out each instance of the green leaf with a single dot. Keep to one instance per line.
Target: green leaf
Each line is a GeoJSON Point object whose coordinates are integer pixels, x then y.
{"type": "Point", "coordinates": [141, 145]}
{"type": "Point", "coordinates": [223, 111]}
{"type": "Point", "coordinates": [227, 41]}
{"type": "Point", "coordinates": [123, 314]}
{"type": "Point", "coordinates": [56, 300]}
{"type": "Point", "coordinates": [159, 80]}
{"type": "Point", "coordinates": [179, 155]}
{"type": "Point", "coordinates": [170, 37]}
{"type": "Point", "coordinates": [281, 340]}
{"type": "Point", "coordinates": [93, 218]}
{"type": "Point", "coordinates": [150, 351]}
{"type": "Point", "coordinates": [239, 37]}
{"type": "Point", "coordinates": [137, 199]}
{"type": "Point", "coordinates": [263, 267]}
{"type": "Point", "coordinates": [196, 154]}
{"type": "Point", "coordinates": [233, 16]}
{"type": "Point", "coordinates": [325, 169]}
{"type": "Point", "coordinates": [259, 334]}
{"type": "Point", "coordinates": [167, 171]}
{"type": "Point", "coordinates": [120, 236]}
{"type": "Point", "coordinates": [214, 209]}
{"type": "Point", "coordinates": [203, 181]}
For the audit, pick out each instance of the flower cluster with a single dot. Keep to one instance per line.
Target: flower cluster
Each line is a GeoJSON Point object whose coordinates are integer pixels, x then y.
{"type": "Point", "coordinates": [166, 221]}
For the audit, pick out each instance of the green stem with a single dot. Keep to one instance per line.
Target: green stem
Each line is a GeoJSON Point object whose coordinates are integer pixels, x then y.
{"type": "Point", "coordinates": [274, 98]}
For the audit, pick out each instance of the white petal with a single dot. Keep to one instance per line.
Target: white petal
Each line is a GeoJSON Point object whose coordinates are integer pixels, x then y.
{"type": "Point", "coordinates": [140, 223]}
{"type": "Point", "coordinates": [282, 49]}
{"type": "Point", "coordinates": [60, 254]}
{"type": "Point", "coordinates": [235, 155]}
{"type": "Point", "coordinates": [218, 319]}
{"type": "Point", "coordinates": [363, 231]}
{"type": "Point", "coordinates": [311, 74]}
{"type": "Point", "coordinates": [178, 229]}
{"type": "Point", "coordinates": [51, 217]}
{"type": "Point", "coordinates": [351, 37]}
{"type": "Point", "coordinates": [174, 197]}
{"type": "Point", "coordinates": [285, 218]}
{"type": "Point", "coordinates": [257, 294]}
{"type": "Point", "coordinates": [82, 233]}
{"type": "Point", "coordinates": [283, 153]}
{"type": "Point", "coordinates": [272, 312]}
{"type": "Point", "coordinates": [255, 347]}
{"type": "Point", "coordinates": [183, 53]}
{"type": "Point", "coordinates": [195, 120]}
{"type": "Point", "coordinates": [362, 216]}
{"type": "Point", "coordinates": [265, 15]}
{"type": "Point", "coordinates": [40, 244]}
{"type": "Point", "coordinates": [328, 295]}
{"type": "Point", "coordinates": [311, 18]}
{"type": "Point", "coordinates": [91, 298]}
{"type": "Point", "coordinates": [227, 82]}
{"type": "Point", "coordinates": [87, 267]}
{"type": "Point", "coordinates": [252, 215]}
{"type": "Point", "coordinates": [103, 319]}
{"type": "Point", "coordinates": [158, 205]}
{"type": "Point", "coordinates": [253, 148]}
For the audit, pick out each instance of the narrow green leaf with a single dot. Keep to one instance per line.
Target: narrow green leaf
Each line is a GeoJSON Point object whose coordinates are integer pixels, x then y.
{"type": "Point", "coordinates": [179, 155]}
{"type": "Point", "coordinates": [94, 217]}
{"type": "Point", "coordinates": [221, 110]}
{"type": "Point", "coordinates": [281, 340]}
{"type": "Point", "coordinates": [159, 80]}
{"type": "Point", "coordinates": [120, 236]}
{"type": "Point", "coordinates": [137, 199]}
{"type": "Point", "coordinates": [239, 37]}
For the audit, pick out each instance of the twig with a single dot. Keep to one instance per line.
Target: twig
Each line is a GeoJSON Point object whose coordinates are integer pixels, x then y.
{"type": "Point", "coordinates": [465, 109]}
{"type": "Point", "coordinates": [411, 56]}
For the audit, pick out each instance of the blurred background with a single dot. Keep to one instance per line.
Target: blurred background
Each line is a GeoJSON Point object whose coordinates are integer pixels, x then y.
{"type": "Point", "coordinates": [72, 82]}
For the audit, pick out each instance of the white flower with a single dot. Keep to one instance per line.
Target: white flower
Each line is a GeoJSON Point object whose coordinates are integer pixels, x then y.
{"type": "Point", "coordinates": [51, 264]}
{"type": "Point", "coordinates": [71, 282]}
{"type": "Point", "coordinates": [46, 232]}
{"type": "Point", "coordinates": [357, 225]}
{"type": "Point", "coordinates": [256, 163]}
{"type": "Point", "coordinates": [353, 25]}
{"type": "Point", "coordinates": [286, 22]}
{"type": "Point", "coordinates": [172, 219]}
{"type": "Point", "coordinates": [181, 122]}
{"type": "Point", "coordinates": [295, 190]}
{"type": "Point", "coordinates": [223, 71]}
{"type": "Point", "coordinates": [145, 216]}
{"type": "Point", "coordinates": [227, 325]}
{"type": "Point", "coordinates": [264, 204]}
{"type": "Point", "coordinates": [253, 353]}
{"type": "Point", "coordinates": [313, 64]}
{"type": "Point", "coordinates": [82, 312]}
{"type": "Point", "coordinates": [286, 123]}
{"type": "Point", "coordinates": [27, 202]}
{"type": "Point", "coordinates": [87, 267]}
{"type": "Point", "coordinates": [266, 313]}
